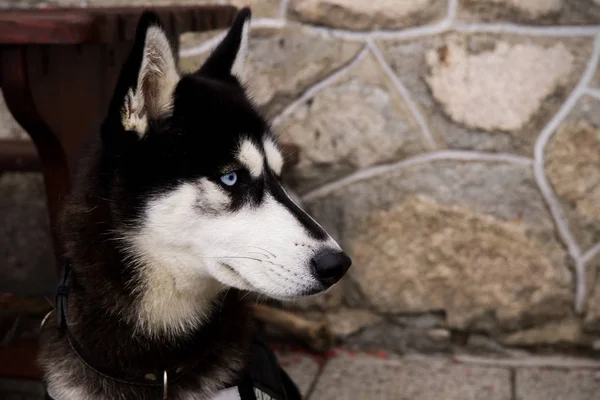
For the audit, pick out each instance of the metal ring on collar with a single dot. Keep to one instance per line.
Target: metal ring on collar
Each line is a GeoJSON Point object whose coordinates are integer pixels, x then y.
{"type": "Point", "coordinates": [165, 385]}
{"type": "Point", "coordinates": [45, 318]}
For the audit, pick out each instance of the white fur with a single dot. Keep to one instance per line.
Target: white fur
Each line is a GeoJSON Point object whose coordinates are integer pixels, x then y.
{"type": "Point", "coordinates": [58, 389]}
{"type": "Point", "coordinates": [251, 157]}
{"type": "Point", "coordinates": [173, 297]}
{"type": "Point", "coordinates": [239, 65]}
{"type": "Point", "coordinates": [228, 394]}
{"type": "Point", "coordinates": [157, 78]}
{"type": "Point", "coordinates": [274, 157]}
{"type": "Point", "coordinates": [190, 247]}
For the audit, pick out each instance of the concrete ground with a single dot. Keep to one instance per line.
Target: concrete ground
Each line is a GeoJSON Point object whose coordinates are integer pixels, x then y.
{"type": "Point", "coordinates": [347, 375]}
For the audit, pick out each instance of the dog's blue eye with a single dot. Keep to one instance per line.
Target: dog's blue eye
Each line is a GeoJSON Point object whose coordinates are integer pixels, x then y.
{"type": "Point", "coordinates": [229, 179]}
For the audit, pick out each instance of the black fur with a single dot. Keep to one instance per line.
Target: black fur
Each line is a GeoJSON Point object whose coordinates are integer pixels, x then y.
{"type": "Point", "coordinates": [115, 179]}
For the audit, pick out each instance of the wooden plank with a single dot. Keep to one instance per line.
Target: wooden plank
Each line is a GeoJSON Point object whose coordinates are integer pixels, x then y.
{"type": "Point", "coordinates": [47, 27]}
{"type": "Point", "coordinates": [104, 25]}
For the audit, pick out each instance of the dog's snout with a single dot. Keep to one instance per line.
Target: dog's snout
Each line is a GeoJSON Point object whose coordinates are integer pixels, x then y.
{"type": "Point", "coordinates": [329, 266]}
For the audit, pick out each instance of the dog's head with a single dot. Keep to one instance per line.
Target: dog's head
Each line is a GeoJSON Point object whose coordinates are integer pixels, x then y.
{"type": "Point", "coordinates": [197, 171]}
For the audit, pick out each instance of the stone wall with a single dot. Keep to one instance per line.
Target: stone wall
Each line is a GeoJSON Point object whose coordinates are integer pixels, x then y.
{"type": "Point", "coordinates": [453, 147]}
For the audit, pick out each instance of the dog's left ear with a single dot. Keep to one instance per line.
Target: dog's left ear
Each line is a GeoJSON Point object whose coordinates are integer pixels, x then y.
{"type": "Point", "coordinates": [229, 57]}
{"type": "Point", "coordinates": [145, 87]}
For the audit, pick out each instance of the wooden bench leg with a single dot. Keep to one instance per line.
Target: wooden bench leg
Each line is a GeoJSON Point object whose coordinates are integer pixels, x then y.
{"type": "Point", "coordinates": [15, 84]}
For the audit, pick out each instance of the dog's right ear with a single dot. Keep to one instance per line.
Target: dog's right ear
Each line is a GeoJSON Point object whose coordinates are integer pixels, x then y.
{"type": "Point", "coordinates": [148, 78]}
{"type": "Point", "coordinates": [228, 59]}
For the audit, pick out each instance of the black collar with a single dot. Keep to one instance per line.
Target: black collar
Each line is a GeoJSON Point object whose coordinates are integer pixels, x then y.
{"type": "Point", "coordinates": [159, 378]}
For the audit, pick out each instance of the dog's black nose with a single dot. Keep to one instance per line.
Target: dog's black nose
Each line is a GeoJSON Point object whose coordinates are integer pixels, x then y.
{"type": "Point", "coordinates": [329, 266]}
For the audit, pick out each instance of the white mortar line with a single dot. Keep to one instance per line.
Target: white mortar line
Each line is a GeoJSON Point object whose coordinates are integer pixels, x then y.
{"type": "Point", "coordinates": [452, 10]}
{"type": "Point", "coordinates": [310, 92]}
{"type": "Point", "coordinates": [595, 93]}
{"type": "Point", "coordinates": [283, 6]}
{"type": "Point", "coordinates": [546, 189]}
{"type": "Point", "coordinates": [412, 106]}
{"type": "Point", "coordinates": [204, 47]}
{"type": "Point", "coordinates": [406, 33]}
{"type": "Point", "coordinates": [210, 44]}
{"type": "Point", "coordinates": [528, 30]}
{"type": "Point", "coordinates": [448, 24]}
{"type": "Point", "coordinates": [415, 160]}
{"type": "Point", "coordinates": [267, 23]}
{"type": "Point", "coordinates": [531, 362]}
{"type": "Point", "coordinates": [580, 285]}
{"type": "Point", "coordinates": [591, 253]}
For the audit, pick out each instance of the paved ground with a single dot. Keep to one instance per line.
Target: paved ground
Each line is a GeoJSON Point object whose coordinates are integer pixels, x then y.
{"type": "Point", "coordinates": [358, 376]}
{"type": "Point", "coordinates": [376, 376]}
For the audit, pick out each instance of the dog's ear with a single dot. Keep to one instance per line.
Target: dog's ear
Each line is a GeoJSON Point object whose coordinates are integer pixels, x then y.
{"type": "Point", "coordinates": [229, 57]}
{"type": "Point", "coordinates": [145, 87]}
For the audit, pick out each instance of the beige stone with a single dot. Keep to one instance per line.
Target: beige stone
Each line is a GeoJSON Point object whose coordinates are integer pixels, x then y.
{"type": "Point", "coordinates": [408, 60]}
{"type": "Point", "coordinates": [365, 14]}
{"type": "Point", "coordinates": [420, 256]}
{"type": "Point", "coordinates": [284, 63]}
{"type": "Point", "coordinates": [9, 128]}
{"type": "Point", "coordinates": [260, 8]}
{"type": "Point", "coordinates": [347, 321]}
{"type": "Point", "coordinates": [499, 89]}
{"type": "Point", "coordinates": [473, 240]}
{"type": "Point", "coordinates": [483, 344]}
{"type": "Point", "coordinates": [568, 331]}
{"type": "Point", "coordinates": [592, 311]}
{"type": "Point", "coordinates": [572, 164]}
{"type": "Point", "coordinates": [540, 12]}
{"type": "Point", "coordinates": [533, 8]}
{"type": "Point", "coordinates": [357, 122]}
{"type": "Point", "coordinates": [400, 340]}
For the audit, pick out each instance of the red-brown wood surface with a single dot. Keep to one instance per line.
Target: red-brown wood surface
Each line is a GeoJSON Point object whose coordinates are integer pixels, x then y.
{"type": "Point", "coordinates": [71, 26]}
{"type": "Point", "coordinates": [44, 27]}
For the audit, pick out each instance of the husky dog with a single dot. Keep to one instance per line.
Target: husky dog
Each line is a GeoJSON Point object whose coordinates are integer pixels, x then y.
{"type": "Point", "coordinates": [177, 209]}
